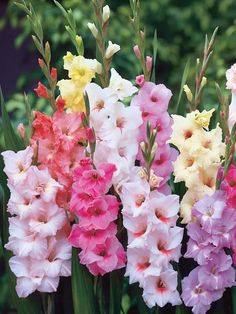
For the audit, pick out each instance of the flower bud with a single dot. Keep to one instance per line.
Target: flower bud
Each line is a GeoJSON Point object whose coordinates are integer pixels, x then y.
{"type": "Point", "coordinates": [143, 146]}
{"type": "Point", "coordinates": [93, 29]}
{"type": "Point", "coordinates": [204, 81]}
{"type": "Point", "coordinates": [21, 130]}
{"type": "Point", "coordinates": [188, 93]}
{"type": "Point", "coordinates": [140, 80]}
{"type": "Point", "coordinates": [40, 62]}
{"type": "Point", "coordinates": [105, 14]}
{"type": "Point", "coordinates": [137, 51]}
{"type": "Point", "coordinates": [41, 91]}
{"type": "Point", "coordinates": [155, 180]}
{"type": "Point", "coordinates": [149, 63]}
{"type": "Point", "coordinates": [90, 135]}
{"type": "Point", "coordinates": [54, 74]}
{"type": "Point", "coordinates": [78, 39]}
{"type": "Point", "coordinates": [142, 173]}
{"type": "Point", "coordinates": [154, 149]}
{"type": "Point", "coordinates": [111, 50]}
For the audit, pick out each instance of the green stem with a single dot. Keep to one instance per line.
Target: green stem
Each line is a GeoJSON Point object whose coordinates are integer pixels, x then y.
{"type": "Point", "coordinates": [233, 291]}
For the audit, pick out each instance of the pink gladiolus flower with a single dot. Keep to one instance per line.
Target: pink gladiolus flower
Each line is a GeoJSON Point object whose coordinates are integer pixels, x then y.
{"type": "Point", "coordinates": [85, 238]}
{"type": "Point", "coordinates": [17, 164]}
{"type": "Point", "coordinates": [100, 213]}
{"type": "Point", "coordinates": [104, 258]}
{"type": "Point", "coordinates": [93, 181]}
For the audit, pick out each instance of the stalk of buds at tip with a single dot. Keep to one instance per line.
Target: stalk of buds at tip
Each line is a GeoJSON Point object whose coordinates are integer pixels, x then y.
{"type": "Point", "coordinates": [93, 29]}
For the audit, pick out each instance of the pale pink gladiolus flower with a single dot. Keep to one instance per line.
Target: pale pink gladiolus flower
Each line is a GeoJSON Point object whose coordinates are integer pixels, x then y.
{"type": "Point", "coordinates": [161, 289]}
{"type": "Point", "coordinates": [17, 164]}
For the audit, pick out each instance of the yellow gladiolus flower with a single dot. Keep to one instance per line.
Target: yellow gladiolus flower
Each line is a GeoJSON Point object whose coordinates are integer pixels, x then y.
{"type": "Point", "coordinates": [203, 118]}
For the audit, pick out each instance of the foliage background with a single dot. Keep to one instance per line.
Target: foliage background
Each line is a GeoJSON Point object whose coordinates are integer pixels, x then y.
{"type": "Point", "coordinates": [180, 25]}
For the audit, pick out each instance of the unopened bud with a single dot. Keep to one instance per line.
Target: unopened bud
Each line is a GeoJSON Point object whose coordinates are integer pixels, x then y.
{"type": "Point", "coordinates": [140, 80]}
{"type": "Point", "coordinates": [154, 149]}
{"type": "Point", "coordinates": [54, 74]}
{"type": "Point", "coordinates": [21, 130]}
{"type": "Point", "coordinates": [93, 29]}
{"type": "Point", "coordinates": [149, 63]}
{"type": "Point", "coordinates": [90, 135]}
{"type": "Point", "coordinates": [137, 51]}
{"type": "Point", "coordinates": [105, 14]}
{"type": "Point", "coordinates": [40, 62]}
{"type": "Point", "coordinates": [142, 173]}
{"type": "Point", "coordinates": [143, 146]}
{"type": "Point", "coordinates": [204, 81]}
{"type": "Point", "coordinates": [111, 50]}
{"type": "Point", "coordinates": [155, 181]}
{"type": "Point", "coordinates": [41, 91]}
{"type": "Point", "coordinates": [78, 40]}
{"type": "Point", "coordinates": [188, 93]}
{"type": "Point", "coordinates": [142, 34]}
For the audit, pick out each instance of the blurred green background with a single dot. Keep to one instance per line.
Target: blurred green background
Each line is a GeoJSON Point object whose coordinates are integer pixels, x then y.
{"type": "Point", "coordinates": [181, 27]}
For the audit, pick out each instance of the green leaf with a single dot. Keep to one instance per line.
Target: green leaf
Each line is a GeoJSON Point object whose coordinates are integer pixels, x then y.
{"type": "Point", "coordinates": [116, 286]}
{"type": "Point", "coordinates": [155, 47]}
{"type": "Point", "coordinates": [233, 290]}
{"type": "Point", "coordinates": [12, 141]}
{"type": "Point", "coordinates": [180, 109]}
{"type": "Point", "coordinates": [82, 287]}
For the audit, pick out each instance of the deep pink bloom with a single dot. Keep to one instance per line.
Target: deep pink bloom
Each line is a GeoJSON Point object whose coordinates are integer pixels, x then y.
{"type": "Point", "coordinates": [86, 238]}
{"type": "Point", "coordinates": [101, 212]}
{"type": "Point", "coordinates": [94, 181]}
{"type": "Point", "coordinates": [104, 258]}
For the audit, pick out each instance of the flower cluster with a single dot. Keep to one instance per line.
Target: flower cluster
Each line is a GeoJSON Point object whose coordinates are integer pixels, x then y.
{"type": "Point", "coordinates": [153, 240]}
{"type": "Point", "coordinates": [116, 125]}
{"type": "Point", "coordinates": [80, 72]}
{"type": "Point", "coordinates": [199, 159]}
{"type": "Point", "coordinates": [59, 140]}
{"type": "Point", "coordinates": [38, 226]}
{"type": "Point", "coordinates": [96, 231]}
{"type": "Point", "coordinates": [153, 100]}
{"type": "Point", "coordinates": [213, 230]}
